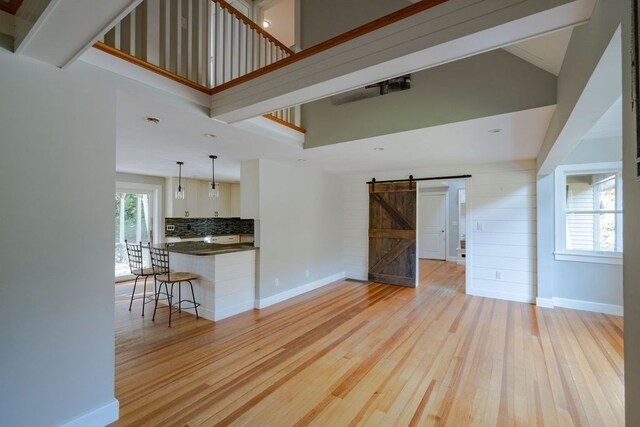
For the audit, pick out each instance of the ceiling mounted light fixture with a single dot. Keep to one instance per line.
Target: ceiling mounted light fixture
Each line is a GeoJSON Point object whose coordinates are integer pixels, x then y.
{"type": "Point", "coordinates": [210, 135]}
{"type": "Point", "coordinates": [302, 160]}
{"type": "Point", "coordinates": [497, 130]}
{"type": "Point", "coordinates": [266, 24]}
{"type": "Point", "coordinates": [179, 190]}
{"type": "Point", "coordinates": [378, 149]}
{"type": "Point", "coordinates": [153, 120]}
{"type": "Point", "coordinates": [213, 191]}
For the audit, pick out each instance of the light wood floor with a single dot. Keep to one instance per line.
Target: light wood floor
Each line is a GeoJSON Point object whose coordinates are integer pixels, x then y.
{"type": "Point", "coordinates": [370, 354]}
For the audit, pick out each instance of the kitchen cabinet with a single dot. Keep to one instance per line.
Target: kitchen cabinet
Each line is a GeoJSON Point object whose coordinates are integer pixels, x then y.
{"type": "Point", "coordinates": [207, 206]}
{"type": "Point", "coordinates": [182, 208]}
{"type": "Point", "coordinates": [235, 199]}
{"type": "Point", "coordinates": [198, 204]}
{"type": "Point", "coordinates": [223, 205]}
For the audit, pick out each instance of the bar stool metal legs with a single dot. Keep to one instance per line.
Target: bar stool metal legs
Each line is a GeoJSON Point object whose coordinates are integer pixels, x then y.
{"type": "Point", "coordinates": [164, 276]}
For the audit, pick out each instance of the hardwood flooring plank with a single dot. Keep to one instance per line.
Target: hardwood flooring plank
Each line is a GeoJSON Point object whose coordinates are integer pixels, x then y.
{"type": "Point", "coordinates": [369, 354]}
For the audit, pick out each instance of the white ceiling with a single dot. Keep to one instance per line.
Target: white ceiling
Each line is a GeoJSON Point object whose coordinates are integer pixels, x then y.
{"type": "Point", "coordinates": [546, 52]}
{"type": "Point", "coordinates": [609, 125]}
{"type": "Point", "coordinates": [149, 149]}
{"type": "Point", "coordinates": [457, 143]}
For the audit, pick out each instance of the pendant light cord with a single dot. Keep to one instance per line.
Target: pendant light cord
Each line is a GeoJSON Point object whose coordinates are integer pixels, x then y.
{"type": "Point", "coordinates": [213, 171]}
{"type": "Point", "coordinates": [180, 176]}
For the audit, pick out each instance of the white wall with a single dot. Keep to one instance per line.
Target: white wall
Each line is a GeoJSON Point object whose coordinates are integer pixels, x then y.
{"type": "Point", "coordinates": [57, 179]}
{"type": "Point", "coordinates": [300, 226]}
{"type": "Point", "coordinates": [324, 19]}
{"type": "Point", "coordinates": [588, 286]}
{"type": "Point", "coordinates": [502, 241]}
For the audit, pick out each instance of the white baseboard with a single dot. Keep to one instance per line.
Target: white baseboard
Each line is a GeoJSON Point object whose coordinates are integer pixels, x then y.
{"type": "Point", "coordinates": [232, 311]}
{"type": "Point", "coordinates": [615, 310]}
{"type": "Point", "coordinates": [545, 302]}
{"type": "Point", "coordinates": [501, 295]}
{"type": "Point", "coordinates": [99, 417]}
{"type": "Point", "coordinates": [283, 296]}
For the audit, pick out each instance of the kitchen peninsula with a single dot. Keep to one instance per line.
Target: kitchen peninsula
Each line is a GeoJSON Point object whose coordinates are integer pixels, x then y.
{"type": "Point", "coordinates": [226, 276]}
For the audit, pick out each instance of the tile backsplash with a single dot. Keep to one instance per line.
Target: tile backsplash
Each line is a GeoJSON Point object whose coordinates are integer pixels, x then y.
{"type": "Point", "coordinates": [188, 228]}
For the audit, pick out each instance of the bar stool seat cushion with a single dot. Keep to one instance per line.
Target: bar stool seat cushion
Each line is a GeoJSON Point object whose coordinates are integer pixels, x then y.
{"type": "Point", "coordinates": [176, 277]}
{"type": "Point", "coordinates": [143, 271]}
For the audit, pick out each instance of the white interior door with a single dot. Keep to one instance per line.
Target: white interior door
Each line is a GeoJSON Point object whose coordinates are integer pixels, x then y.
{"type": "Point", "coordinates": [432, 223]}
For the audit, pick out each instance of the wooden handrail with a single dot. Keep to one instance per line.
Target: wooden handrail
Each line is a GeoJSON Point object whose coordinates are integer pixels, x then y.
{"type": "Point", "coordinates": [139, 62]}
{"type": "Point", "coordinates": [154, 68]}
{"type": "Point", "coordinates": [335, 41]}
{"type": "Point", "coordinates": [253, 25]}
{"type": "Point", "coordinates": [10, 7]}
{"type": "Point", "coordinates": [285, 123]}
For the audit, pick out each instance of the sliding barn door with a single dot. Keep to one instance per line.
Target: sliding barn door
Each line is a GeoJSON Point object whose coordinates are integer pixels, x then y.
{"type": "Point", "coordinates": [392, 234]}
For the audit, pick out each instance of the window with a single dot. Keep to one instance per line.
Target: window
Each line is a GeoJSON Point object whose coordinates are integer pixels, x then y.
{"type": "Point", "coordinates": [589, 213]}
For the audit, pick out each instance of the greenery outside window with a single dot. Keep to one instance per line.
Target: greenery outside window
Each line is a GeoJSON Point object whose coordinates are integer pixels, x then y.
{"type": "Point", "coordinates": [589, 213]}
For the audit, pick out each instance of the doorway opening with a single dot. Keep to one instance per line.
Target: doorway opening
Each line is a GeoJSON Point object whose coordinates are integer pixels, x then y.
{"type": "Point", "coordinates": [442, 224]}
{"type": "Point", "coordinates": [136, 213]}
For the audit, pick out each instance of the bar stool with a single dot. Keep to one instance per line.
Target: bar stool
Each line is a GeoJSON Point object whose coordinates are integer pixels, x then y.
{"type": "Point", "coordinates": [136, 265]}
{"type": "Point", "coordinates": [164, 276]}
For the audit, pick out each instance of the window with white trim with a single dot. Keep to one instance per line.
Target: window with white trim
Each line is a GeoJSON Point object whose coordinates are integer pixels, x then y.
{"type": "Point", "coordinates": [589, 213]}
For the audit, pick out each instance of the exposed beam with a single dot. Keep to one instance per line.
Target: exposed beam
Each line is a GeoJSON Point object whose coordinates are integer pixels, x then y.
{"type": "Point", "coordinates": [603, 89]}
{"type": "Point", "coordinates": [445, 33]}
{"type": "Point", "coordinates": [59, 31]}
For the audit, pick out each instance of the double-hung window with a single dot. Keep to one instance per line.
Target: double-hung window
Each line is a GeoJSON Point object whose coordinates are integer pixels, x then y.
{"type": "Point", "coordinates": [589, 213]}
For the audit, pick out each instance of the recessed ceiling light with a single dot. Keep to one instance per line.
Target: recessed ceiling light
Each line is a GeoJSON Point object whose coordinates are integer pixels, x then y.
{"type": "Point", "coordinates": [210, 135]}
{"type": "Point", "coordinates": [266, 24]}
{"type": "Point", "coordinates": [153, 120]}
{"type": "Point", "coordinates": [378, 149]}
{"type": "Point", "coordinates": [495, 131]}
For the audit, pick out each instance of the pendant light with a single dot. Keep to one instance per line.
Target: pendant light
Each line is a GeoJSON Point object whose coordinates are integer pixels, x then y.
{"type": "Point", "coordinates": [213, 191]}
{"type": "Point", "coordinates": [180, 194]}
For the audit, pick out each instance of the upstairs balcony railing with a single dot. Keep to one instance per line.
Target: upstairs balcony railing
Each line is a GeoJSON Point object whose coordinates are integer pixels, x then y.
{"type": "Point", "coordinates": [211, 46]}
{"type": "Point", "coordinates": [200, 43]}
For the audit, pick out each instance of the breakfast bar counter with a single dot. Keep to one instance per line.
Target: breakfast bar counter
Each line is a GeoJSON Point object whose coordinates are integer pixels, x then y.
{"type": "Point", "coordinates": [226, 276]}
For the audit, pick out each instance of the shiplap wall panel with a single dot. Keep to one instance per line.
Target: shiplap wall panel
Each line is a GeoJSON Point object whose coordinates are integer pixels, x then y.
{"type": "Point", "coordinates": [487, 190]}
{"type": "Point", "coordinates": [525, 278]}
{"type": "Point", "coordinates": [504, 214]}
{"type": "Point", "coordinates": [500, 264]}
{"type": "Point", "coordinates": [514, 239]}
{"type": "Point", "coordinates": [356, 229]}
{"type": "Point", "coordinates": [526, 227]}
{"type": "Point", "coordinates": [505, 251]}
{"type": "Point", "coordinates": [503, 235]}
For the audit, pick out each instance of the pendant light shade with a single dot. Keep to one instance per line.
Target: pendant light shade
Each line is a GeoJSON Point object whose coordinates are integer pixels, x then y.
{"type": "Point", "coordinates": [180, 193]}
{"type": "Point", "coordinates": [213, 191]}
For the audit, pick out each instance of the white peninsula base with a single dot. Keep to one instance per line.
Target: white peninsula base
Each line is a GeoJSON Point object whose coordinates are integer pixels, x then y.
{"type": "Point", "coordinates": [226, 284]}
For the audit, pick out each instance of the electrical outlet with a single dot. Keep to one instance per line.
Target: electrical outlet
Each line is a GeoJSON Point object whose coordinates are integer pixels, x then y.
{"type": "Point", "coordinates": [171, 227]}
{"type": "Point", "coordinates": [498, 275]}
{"type": "Point", "coordinates": [306, 273]}
{"type": "Point", "coordinates": [277, 282]}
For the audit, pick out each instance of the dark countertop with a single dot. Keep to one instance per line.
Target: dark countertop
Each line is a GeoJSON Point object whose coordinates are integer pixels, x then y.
{"type": "Point", "coordinates": [206, 249]}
